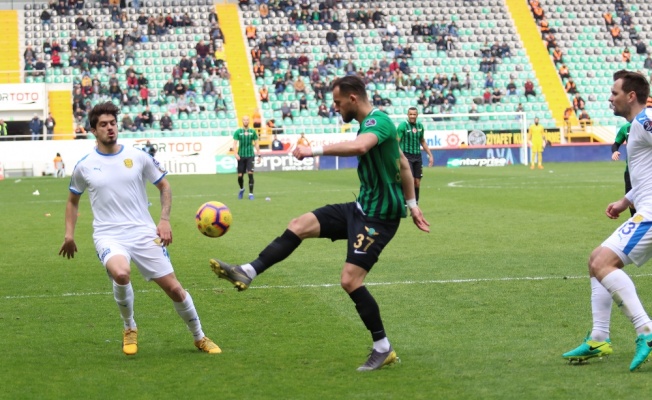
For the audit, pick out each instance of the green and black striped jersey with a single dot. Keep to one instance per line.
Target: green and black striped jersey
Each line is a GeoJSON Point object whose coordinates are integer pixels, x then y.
{"type": "Point", "coordinates": [410, 136]}
{"type": "Point", "coordinates": [246, 138]}
{"type": "Point", "coordinates": [381, 192]}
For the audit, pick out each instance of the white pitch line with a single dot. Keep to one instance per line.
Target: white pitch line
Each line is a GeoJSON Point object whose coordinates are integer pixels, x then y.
{"type": "Point", "coordinates": [330, 285]}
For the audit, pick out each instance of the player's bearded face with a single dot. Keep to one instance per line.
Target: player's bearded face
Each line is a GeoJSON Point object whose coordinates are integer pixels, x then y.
{"type": "Point", "coordinates": [618, 99]}
{"type": "Point", "coordinates": [106, 130]}
{"type": "Point", "coordinates": [344, 105]}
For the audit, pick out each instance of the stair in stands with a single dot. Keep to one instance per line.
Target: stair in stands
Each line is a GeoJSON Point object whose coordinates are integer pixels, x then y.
{"type": "Point", "coordinates": [244, 95]}
{"type": "Point", "coordinates": [551, 85]}
{"type": "Point", "coordinates": [10, 60]}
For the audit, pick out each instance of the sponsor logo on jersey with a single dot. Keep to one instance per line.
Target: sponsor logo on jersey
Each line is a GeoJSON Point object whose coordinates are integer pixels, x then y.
{"type": "Point", "coordinates": [158, 165]}
{"type": "Point", "coordinates": [370, 122]}
{"type": "Point", "coordinates": [371, 231]}
{"type": "Point", "coordinates": [647, 125]}
{"type": "Point", "coordinates": [105, 252]}
{"type": "Point", "coordinates": [129, 163]}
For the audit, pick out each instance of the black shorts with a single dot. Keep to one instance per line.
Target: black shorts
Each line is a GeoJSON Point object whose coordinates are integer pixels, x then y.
{"type": "Point", "coordinates": [416, 164]}
{"type": "Point", "coordinates": [628, 182]}
{"type": "Point", "coordinates": [246, 164]}
{"type": "Point", "coordinates": [366, 236]}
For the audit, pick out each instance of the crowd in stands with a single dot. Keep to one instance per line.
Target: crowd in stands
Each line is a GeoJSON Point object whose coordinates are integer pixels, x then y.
{"type": "Point", "coordinates": [90, 60]}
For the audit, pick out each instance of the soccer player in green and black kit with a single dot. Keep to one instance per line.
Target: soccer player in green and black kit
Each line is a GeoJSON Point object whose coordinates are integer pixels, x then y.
{"type": "Point", "coordinates": [245, 140]}
{"type": "Point", "coordinates": [621, 138]}
{"type": "Point", "coordinates": [410, 136]}
{"type": "Point", "coordinates": [368, 224]}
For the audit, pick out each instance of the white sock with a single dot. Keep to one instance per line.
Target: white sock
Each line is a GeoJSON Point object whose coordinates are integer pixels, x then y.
{"type": "Point", "coordinates": [601, 306]}
{"type": "Point", "coordinates": [623, 292]}
{"type": "Point", "coordinates": [124, 298]}
{"type": "Point", "coordinates": [249, 270]}
{"type": "Point", "coordinates": [382, 345]}
{"type": "Point", "coordinates": [188, 313]}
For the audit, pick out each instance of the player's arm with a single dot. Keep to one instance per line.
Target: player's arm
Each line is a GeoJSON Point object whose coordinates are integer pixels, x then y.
{"type": "Point", "coordinates": [257, 147]}
{"type": "Point", "coordinates": [361, 145]}
{"type": "Point", "coordinates": [615, 154]}
{"type": "Point", "coordinates": [236, 143]}
{"type": "Point", "coordinates": [407, 183]}
{"type": "Point", "coordinates": [431, 159]}
{"type": "Point", "coordinates": [69, 248]}
{"type": "Point", "coordinates": [163, 229]}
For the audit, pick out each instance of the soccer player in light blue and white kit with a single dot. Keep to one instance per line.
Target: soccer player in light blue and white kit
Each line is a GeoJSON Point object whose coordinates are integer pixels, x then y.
{"type": "Point", "coordinates": [632, 241]}
{"type": "Point", "coordinates": [123, 230]}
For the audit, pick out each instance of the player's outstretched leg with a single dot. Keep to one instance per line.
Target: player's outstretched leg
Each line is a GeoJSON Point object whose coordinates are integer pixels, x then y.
{"type": "Point", "coordinates": [643, 350]}
{"type": "Point", "coordinates": [232, 273]}
{"type": "Point", "coordinates": [378, 360]}
{"type": "Point", "coordinates": [589, 349]}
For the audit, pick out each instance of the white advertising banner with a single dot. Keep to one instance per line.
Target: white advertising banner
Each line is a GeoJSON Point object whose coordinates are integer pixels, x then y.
{"type": "Point", "coordinates": [180, 156]}
{"type": "Point", "coordinates": [21, 97]}
{"type": "Point", "coordinates": [451, 138]}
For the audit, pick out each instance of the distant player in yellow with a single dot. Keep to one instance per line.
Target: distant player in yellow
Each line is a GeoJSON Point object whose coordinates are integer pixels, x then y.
{"type": "Point", "coordinates": [536, 139]}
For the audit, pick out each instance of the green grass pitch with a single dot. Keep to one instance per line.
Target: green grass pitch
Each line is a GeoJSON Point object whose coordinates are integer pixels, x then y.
{"type": "Point", "coordinates": [480, 308]}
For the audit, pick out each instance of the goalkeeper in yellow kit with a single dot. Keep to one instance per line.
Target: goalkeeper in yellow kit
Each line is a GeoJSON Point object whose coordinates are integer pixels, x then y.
{"type": "Point", "coordinates": [537, 140]}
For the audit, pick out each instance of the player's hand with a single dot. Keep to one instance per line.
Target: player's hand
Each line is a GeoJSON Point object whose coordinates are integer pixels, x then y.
{"type": "Point", "coordinates": [615, 156]}
{"type": "Point", "coordinates": [164, 231]}
{"type": "Point", "coordinates": [614, 209]}
{"type": "Point", "coordinates": [301, 152]}
{"type": "Point", "coordinates": [431, 161]}
{"type": "Point", "coordinates": [419, 221]}
{"type": "Point", "coordinates": [237, 157]}
{"type": "Point", "coordinates": [68, 248]}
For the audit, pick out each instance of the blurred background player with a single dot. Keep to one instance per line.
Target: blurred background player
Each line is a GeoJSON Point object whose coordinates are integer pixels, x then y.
{"type": "Point", "coordinates": [245, 141]}
{"type": "Point", "coordinates": [411, 140]}
{"type": "Point", "coordinates": [621, 138]}
{"type": "Point", "coordinates": [536, 139]}
{"type": "Point", "coordinates": [59, 166]}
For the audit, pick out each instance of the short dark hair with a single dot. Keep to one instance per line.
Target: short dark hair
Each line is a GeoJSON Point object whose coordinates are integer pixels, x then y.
{"type": "Point", "coordinates": [634, 82]}
{"type": "Point", "coordinates": [350, 84]}
{"type": "Point", "coordinates": [101, 109]}
{"type": "Point", "coordinates": [413, 108]}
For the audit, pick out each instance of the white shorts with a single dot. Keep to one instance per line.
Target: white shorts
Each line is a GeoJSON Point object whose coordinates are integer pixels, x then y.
{"type": "Point", "coordinates": [151, 258]}
{"type": "Point", "coordinates": [632, 241]}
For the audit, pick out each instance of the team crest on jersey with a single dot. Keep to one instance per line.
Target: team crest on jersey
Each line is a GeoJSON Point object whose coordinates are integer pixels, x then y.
{"type": "Point", "coordinates": [370, 122]}
{"type": "Point", "coordinates": [371, 231]}
{"type": "Point", "coordinates": [129, 163]}
{"type": "Point", "coordinates": [637, 218]}
{"type": "Point", "coordinates": [414, 130]}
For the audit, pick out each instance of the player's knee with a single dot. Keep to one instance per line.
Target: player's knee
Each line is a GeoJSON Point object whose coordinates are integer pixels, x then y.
{"type": "Point", "coordinates": [597, 263]}
{"type": "Point", "coordinates": [349, 283]}
{"type": "Point", "coordinates": [121, 277]}
{"type": "Point", "coordinates": [304, 226]}
{"type": "Point", "coordinates": [176, 292]}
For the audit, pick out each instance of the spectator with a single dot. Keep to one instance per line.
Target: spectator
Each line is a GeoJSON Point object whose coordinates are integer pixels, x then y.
{"type": "Point", "coordinates": [276, 144]}
{"type": "Point", "coordinates": [55, 60]}
{"type": "Point", "coordinates": [323, 110]}
{"type": "Point", "coordinates": [640, 47]}
{"type": "Point", "coordinates": [144, 95]}
{"type": "Point", "coordinates": [608, 19]}
{"type": "Point", "coordinates": [39, 67]}
{"type": "Point", "coordinates": [331, 38]}
{"type": "Point", "coordinates": [473, 110]}
{"type": "Point", "coordinates": [529, 89]}
{"type": "Point", "coordinates": [286, 111]}
{"type": "Point", "coordinates": [50, 123]}
{"type": "Point", "coordinates": [486, 96]}
{"type": "Point", "coordinates": [626, 56]}
{"type": "Point", "coordinates": [264, 94]}
{"type": "Point", "coordinates": [303, 103]}
{"type": "Point", "coordinates": [626, 19]}
{"type": "Point", "coordinates": [128, 124]}
{"type": "Point", "coordinates": [571, 87]}
{"type": "Point", "coordinates": [146, 117]}
{"type": "Point", "coordinates": [169, 88]}
{"type": "Point", "coordinates": [584, 117]}
{"type": "Point", "coordinates": [557, 56]}
{"type": "Point", "coordinates": [489, 81]}
{"type": "Point", "coordinates": [578, 102]}
{"type": "Point", "coordinates": [564, 73]}
{"type": "Point", "coordinates": [80, 131]}
{"type": "Point", "coordinates": [616, 34]}
{"type": "Point", "coordinates": [202, 49]}
{"type": "Point", "coordinates": [182, 105]}
{"type": "Point", "coordinates": [220, 103]}
{"type": "Point", "coordinates": [511, 88]}
{"type": "Point", "coordinates": [647, 64]}
{"type": "Point", "coordinates": [299, 85]}
{"type": "Point", "coordinates": [193, 107]}
{"type": "Point", "coordinates": [36, 127]}
{"type": "Point", "coordinates": [496, 96]}
{"type": "Point", "coordinates": [166, 122]}
{"type": "Point", "coordinates": [46, 17]}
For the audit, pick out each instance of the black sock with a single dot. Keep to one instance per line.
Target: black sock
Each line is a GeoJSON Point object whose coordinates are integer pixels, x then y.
{"type": "Point", "coordinates": [632, 211]}
{"type": "Point", "coordinates": [416, 192]}
{"type": "Point", "coordinates": [276, 251]}
{"type": "Point", "coordinates": [240, 182]}
{"type": "Point", "coordinates": [251, 183]}
{"type": "Point", "coordinates": [369, 312]}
